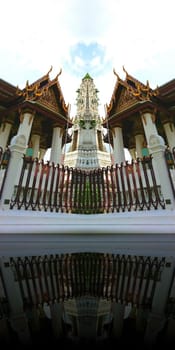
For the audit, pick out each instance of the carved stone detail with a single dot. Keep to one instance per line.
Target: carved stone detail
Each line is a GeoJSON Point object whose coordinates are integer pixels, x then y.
{"type": "Point", "coordinates": [125, 100]}
{"type": "Point", "coordinates": [49, 100]}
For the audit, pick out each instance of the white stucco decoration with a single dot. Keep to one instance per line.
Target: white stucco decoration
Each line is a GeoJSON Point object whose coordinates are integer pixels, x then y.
{"type": "Point", "coordinates": [19, 140]}
{"type": "Point", "coordinates": [18, 143]}
{"type": "Point", "coordinates": [156, 140]}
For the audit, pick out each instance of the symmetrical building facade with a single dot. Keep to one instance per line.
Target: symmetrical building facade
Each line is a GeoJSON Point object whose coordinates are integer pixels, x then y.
{"type": "Point", "coordinates": [87, 237]}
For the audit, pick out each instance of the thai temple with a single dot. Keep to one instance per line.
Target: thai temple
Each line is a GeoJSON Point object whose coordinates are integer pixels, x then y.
{"type": "Point", "coordinates": [87, 234]}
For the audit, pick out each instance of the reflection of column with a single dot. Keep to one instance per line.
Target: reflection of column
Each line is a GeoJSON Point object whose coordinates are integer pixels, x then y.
{"type": "Point", "coordinates": [141, 319]}
{"type": "Point", "coordinates": [4, 331]}
{"type": "Point", "coordinates": [157, 317]}
{"type": "Point", "coordinates": [56, 148]}
{"type": "Point", "coordinates": [118, 311]}
{"type": "Point", "coordinates": [170, 331]}
{"type": "Point", "coordinates": [56, 316]}
{"type": "Point", "coordinates": [4, 134]}
{"type": "Point", "coordinates": [18, 319]}
{"type": "Point", "coordinates": [87, 327]}
{"type": "Point", "coordinates": [118, 146]}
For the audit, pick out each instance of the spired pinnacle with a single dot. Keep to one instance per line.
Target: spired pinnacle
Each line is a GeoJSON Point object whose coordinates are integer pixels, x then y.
{"type": "Point", "coordinates": [87, 76]}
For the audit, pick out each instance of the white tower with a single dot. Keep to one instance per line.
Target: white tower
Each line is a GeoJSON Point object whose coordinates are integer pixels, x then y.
{"type": "Point", "coordinates": [87, 149]}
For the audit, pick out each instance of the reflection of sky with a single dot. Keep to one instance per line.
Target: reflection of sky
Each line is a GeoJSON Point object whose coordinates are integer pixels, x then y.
{"type": "Point", "coordinates": [87, 58]}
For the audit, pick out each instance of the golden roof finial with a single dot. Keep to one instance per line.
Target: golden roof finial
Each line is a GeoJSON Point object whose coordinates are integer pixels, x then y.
{"type": "Point", "coordinates": [114, 71]}
{"type": "Point", "coordinates": [50, 70]}
{"type": "Point", "coordinates": [125, 72]}
{"type": "Point", "coordinates": [47, 75]}
{"type": "Point", "coordinates": [147, 84]}
{"type": "Point", "coordinates": [60, 72]}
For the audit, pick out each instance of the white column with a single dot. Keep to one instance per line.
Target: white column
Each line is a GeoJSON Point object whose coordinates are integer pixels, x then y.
{"type": "Point", "coordinates": [17, 148]}
{"type": "Point", "coordinates": [148, 121]}
{"type": "Point", "coordinates": [4, 134]}
{"type": "Point", "coordinates": [139, 139]}
{"type": "Point", "coordinates": [42, 153]}
{"type": "Point", "coordinates": [157, 317]}
{"type": "Point", "coordinates": [118, 146]}
{"type": "Point", "coordinates": [157, 149]}
{"type": "Point", "coordinates": [26, 120]}
{"type": "Point", "coordinates": [170, 134]}
{"type": "Point", "coordinates": [56, 149]}
{"type": "Point", "coordinates": [18, 319]}
{"type": "Point", "coordinates": [35, 145]}
{"type": "Point", "coordinates": [132, 152]}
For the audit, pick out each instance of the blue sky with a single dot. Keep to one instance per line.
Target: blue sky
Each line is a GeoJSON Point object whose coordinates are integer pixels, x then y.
{"type": "Point", "coordinates": [92, 36]}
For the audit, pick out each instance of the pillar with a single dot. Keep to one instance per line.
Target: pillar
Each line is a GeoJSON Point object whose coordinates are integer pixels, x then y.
{"type": "Point", "coordinates": [118, 146]}
{"type": "Point", "coordinates": [42, 153]}
{"type": "Point", "coordinates": [56, 148]}
{"type": "Point", "coordinates": [157, 149]}
{"type": "Point", "coordinates": [26, 121]}
{"type": "Point", "coordinates": [4, 134]}
{"type": "Point", "coordinates": [139, 139]}
{"type": "Point", "coordinates": [36, 134]}
{"type": "Point", "coordinates": [17, 148]}
{"type": "Point", "coordinates": [132, 152]}
{"type": "Point", "coordinates": [35, 145]}
{"type": "Point", "coordinates": [148, 121]}
{"type": "Point", "coordinates": [170, 133]}
{"type": "Point", "coordinates": [157, 319]}
{"type": "Point", "coordinates": [18, 319]}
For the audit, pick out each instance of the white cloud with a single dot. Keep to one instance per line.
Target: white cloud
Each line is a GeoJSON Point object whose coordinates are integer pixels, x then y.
{"type": "Point", "coordinates": [38, 34]}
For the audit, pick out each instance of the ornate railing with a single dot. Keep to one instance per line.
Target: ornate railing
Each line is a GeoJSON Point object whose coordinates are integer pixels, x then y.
{"type": "Point", "coordinates": [119, 188]}
{"type": "Point", "coordinates": [122, 278]}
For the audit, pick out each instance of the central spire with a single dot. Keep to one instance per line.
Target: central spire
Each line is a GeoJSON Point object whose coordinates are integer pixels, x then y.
{"type": "Point", "coordinates": [87, 149]}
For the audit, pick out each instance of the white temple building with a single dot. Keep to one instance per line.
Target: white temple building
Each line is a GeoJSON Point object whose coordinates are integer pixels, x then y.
{"type": "Point", "coordinates": [87, 238]}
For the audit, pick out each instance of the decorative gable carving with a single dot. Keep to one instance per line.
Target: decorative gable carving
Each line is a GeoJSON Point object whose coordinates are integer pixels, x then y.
{"type": "Point", "coordinates": [49, 100]}
{"type": "Point", "coordinates": [125, 100]}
